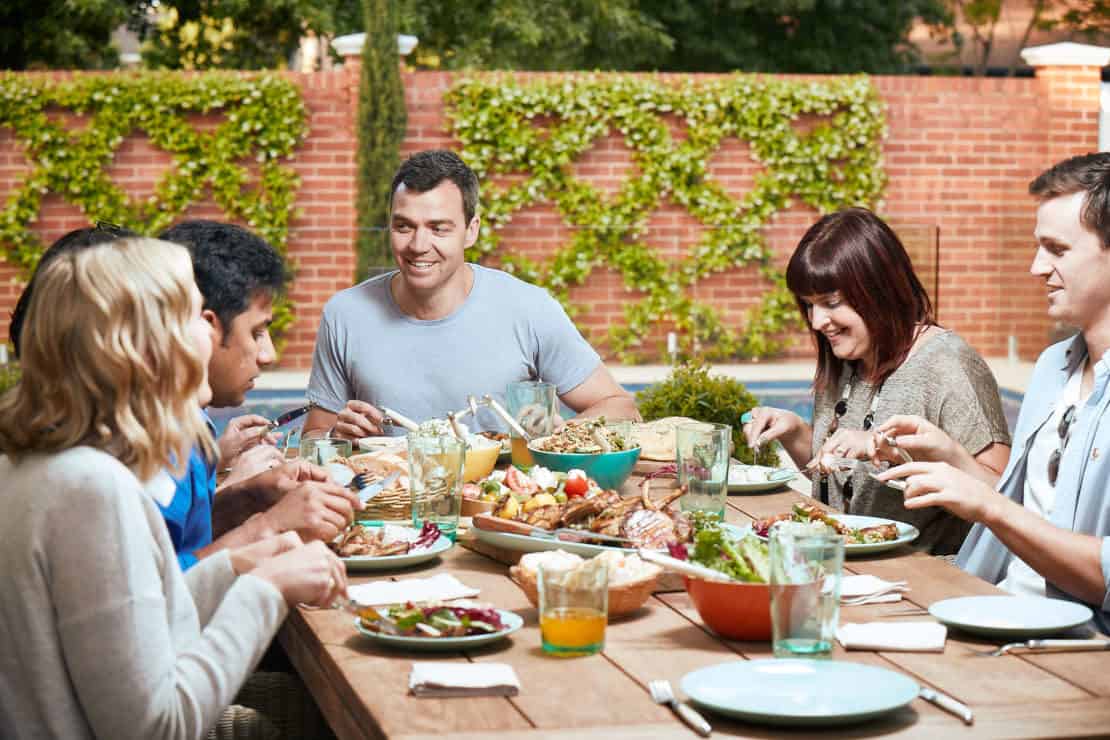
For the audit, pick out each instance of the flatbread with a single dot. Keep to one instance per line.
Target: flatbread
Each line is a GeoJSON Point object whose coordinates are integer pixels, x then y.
{"type": "Point", "coordinates": [657, 438]}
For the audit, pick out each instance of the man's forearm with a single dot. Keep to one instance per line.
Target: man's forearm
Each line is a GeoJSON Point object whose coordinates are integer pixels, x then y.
{"type": "Point", "coordinates": [252, 530]}
{"type": "Point", "coordinates": [236, 503]}
{"type": "Point", "coordinates": [614, 408]}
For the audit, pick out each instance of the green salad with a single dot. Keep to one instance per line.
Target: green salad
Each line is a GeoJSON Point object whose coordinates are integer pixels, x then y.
{"type": "Point", "coordinates": [744, 558]}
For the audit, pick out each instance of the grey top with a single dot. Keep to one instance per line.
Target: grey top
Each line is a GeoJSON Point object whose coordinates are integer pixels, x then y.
{"type": "Point", "coordinates": [944, 381]}
{"type": "Point", "coordinates": [506, 330]}
{"type": "Point", "coordinates": [101, 635]}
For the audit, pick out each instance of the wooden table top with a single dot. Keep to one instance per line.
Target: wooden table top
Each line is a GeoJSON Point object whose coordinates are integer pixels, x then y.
{"type": "Point", "coordinates": [362, 688]}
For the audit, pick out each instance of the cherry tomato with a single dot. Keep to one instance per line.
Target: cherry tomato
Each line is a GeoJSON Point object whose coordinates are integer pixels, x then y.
{"type": "Point", "coordinates": [576, 487]}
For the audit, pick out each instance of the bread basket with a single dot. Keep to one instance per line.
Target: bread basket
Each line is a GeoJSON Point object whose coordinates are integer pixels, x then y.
{"type": "Point", "coordinates": [624, 598]}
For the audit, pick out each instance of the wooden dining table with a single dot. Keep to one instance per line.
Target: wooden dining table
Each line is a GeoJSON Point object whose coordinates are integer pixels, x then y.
{"type": "Point", "coordinates": [361, 687]}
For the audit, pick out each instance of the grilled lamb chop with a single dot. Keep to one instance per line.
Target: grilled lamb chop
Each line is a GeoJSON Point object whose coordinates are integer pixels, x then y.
{"type": "Point", "coordinates": [650, 529]}
{"type": "Point", "coordinates": [545, 516]}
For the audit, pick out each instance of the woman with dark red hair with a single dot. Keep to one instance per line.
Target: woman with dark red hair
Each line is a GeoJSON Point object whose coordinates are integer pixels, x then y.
{"type": "Point", "coordinates": [880, 353]}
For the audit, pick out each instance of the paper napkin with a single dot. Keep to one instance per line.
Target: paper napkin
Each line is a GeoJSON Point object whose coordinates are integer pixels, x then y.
{"type": "Point", "coordinates": [905, 637]}
{"type": "Point", "coordinates": [463, 679]}
{"type": "Point", "coordinates": [865, 589]}
{"type": "Point", "coordinates": [442, 587]}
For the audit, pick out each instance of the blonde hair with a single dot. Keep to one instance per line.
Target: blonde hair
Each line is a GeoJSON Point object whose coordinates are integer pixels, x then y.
{"type": "Point", "coordinates": [108, 361]}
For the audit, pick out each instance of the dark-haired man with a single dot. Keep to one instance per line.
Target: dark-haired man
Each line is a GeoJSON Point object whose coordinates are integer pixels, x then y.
{"type": "Point", "coordinates": [239, 275]}
{"type": "Point", "coordinates": [425, 336]}
{"type": "Point", "coordinates": [1049, 531]}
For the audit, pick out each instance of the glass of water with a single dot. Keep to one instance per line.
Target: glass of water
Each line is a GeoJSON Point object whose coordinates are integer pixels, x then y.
{"type": "Point", "coordinates": [806, 567]}
{"type": "Point", "coordinates": [702, 454]}
{"type": "Point", "coordinates": [435, 480]}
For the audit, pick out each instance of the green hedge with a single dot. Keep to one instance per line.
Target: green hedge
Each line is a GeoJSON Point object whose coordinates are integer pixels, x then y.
{"type": "Point", "coordinates": [837, 163]}
{"type": "Point", "coordinates": [263, 121]}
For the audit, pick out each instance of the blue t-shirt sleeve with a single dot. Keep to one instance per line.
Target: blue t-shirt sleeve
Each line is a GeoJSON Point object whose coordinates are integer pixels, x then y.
{"type": "Point", "coordinates": [186, 560]}
{"type": "Point", "coordinates": [188, 516]}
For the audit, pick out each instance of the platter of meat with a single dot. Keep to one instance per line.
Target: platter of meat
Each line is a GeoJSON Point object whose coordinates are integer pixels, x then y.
{"type": "Point", "coordinates": [589, 525]}
{"type": "Point", "coordinates": [438, 626]}
{"type": "Point", "coordinates": [863, 535]}
{"type": "Point", "coordinates": [362, 547]}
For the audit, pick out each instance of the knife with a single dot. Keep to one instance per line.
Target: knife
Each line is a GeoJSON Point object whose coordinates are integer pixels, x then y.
{"type": "Point", "coordinates": [289, 416]}
{"type": "Point", "coordinates": [948, 704]}
{"type": "Point", "coordinates": [369, 492]}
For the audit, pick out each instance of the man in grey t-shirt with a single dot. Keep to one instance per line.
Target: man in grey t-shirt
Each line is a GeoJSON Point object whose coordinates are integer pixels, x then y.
{"type": "Point", "coordinates": [421, 339]}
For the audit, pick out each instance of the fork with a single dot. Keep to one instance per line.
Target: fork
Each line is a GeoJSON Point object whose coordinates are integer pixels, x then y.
{"type": "Point", "coordinates": [661, 693]}
{"type": "Point", "coordinates": [366, 490]}
{"type": "Point", "coordinates": [1049, 646]}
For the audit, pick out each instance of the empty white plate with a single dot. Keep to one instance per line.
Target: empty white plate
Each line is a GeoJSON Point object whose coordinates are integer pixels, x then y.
{"type": "Point", "coordinates": [1010, 616]}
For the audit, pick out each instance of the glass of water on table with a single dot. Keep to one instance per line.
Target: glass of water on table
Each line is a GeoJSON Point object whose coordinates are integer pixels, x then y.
{"type": "Point", "coordinates": [702, 456]}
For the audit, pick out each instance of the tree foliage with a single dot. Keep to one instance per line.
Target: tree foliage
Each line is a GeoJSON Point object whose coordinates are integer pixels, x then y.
{"type": "Point", "coordinates": [54, 34]}
{"type": "Point", "coordinates": [381, 129]}
{"type": "Point", "coordinates": [803, 36]}
{"type": "Point", "coordinates": [534, 34]}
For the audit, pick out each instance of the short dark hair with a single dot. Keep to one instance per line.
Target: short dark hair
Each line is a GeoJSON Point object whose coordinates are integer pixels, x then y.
{"type": "Point", "coordinates": [231, 266]}
{"type": "Point", "coordinates": [853, 251]}
{"type": "Point", "coordinates": [74, 241]}
{"type": "Point", "coordinates": [425, 170]}
{"type": "Point", "coordinates": [1088, 173]}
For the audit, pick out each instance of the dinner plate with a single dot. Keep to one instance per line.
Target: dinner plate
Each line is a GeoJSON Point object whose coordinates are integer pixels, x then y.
{"type": "Point", "coordinates": [526, 543]}
{"type": "Point", "coordinates": [906, 533]}
{"type": "Point", "coordinates": [1010, 616]}
{"type": "Point", "coordinates": [376, 444]}
{"type": "Point", "coordinates": [774, 478]}
{"type": "Point", "coordinates": [511, 620]}
{"type": "Point", "coordinates": [385, 562]}
{"type": "Point", "coordinates": [799, 692]}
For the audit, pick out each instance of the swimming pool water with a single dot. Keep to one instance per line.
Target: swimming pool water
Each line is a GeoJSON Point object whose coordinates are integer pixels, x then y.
{"type": "Point", "coordinates": [787, 394]}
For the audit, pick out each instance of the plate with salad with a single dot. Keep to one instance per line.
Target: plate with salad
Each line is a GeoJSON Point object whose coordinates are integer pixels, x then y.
{"type": "Point", "coordinates": [863, 535]}
{"type": "Point", "coordinates": [442, 626]}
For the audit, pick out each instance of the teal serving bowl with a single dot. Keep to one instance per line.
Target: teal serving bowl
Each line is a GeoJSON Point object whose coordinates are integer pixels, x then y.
{"type": "Point", "coordinates": [609, 469]}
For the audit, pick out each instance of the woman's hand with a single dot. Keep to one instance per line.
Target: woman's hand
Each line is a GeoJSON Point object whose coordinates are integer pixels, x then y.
{"type": "Point", "coordinates": [768, 424]}
{"type": "Point", "coordinates": [248, 557]}
{"type": "Point", "coordinates": [308, 574]}
{"type": "Point", "coordinates": [922, 439]}
{"type": "Point", "coordinates": [940, 484]}
{"type": "Point", "coordinates": [847, 443]}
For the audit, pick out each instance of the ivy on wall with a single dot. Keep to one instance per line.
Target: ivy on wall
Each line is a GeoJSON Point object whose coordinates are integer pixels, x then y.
{"type": "Point", "coordinates": [263, 121]}
{"type": "Point", "coordinates": [836, 163]}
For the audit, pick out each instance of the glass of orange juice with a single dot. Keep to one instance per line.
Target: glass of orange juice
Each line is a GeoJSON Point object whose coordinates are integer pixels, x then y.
{"type": "Point", "coordinates": [574, 606]}
{"type": "Point", "coordinates": [534, 405]}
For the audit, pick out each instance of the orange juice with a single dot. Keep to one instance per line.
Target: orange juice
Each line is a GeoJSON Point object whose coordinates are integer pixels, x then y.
{"type": "Point", "coordinates": [573, 630]}
{"type": "Point", "coordinates": [522, 457]}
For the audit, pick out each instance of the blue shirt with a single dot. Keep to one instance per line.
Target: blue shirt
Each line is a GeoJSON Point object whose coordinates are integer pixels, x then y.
{"type": "Point", "coordinates": [1083, 482]}
{"type": "Point", "coordinates": [189, 513]}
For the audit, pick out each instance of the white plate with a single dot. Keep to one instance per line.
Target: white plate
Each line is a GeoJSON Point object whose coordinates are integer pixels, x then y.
{"type": "Point", "coordinates": [799, 692]}
{"type": "Point", "coordinates": [512, 623]}
{"type": "Point", "coordinates": [778, 478]}
{"type": "Point", "coordinates": [385, 562]}
{"type": "Point", "coordinates": [906, 533]}
{"type": "Point", "coordinates": [526, 543]}
{"type": "Point", "coordinates": [1010, 616]}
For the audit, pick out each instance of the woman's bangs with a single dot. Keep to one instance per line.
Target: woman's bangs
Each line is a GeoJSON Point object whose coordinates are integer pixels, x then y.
{"type": "Point", "coordinates": [810, 275]}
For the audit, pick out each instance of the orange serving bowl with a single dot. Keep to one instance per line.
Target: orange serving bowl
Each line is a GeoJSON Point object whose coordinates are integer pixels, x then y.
{"type": "Point", "coordinates": [737, 611]}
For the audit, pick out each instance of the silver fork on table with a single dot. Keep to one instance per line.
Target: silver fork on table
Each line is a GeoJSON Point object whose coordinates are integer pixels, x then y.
{"type": "Point", "coordinates": [1044, 646]}
{"type": "Point", "coordinates": [661, 693]}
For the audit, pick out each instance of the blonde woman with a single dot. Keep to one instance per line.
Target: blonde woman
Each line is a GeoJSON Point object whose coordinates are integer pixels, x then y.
{"type": "Point", "coordinates": [100, 632]}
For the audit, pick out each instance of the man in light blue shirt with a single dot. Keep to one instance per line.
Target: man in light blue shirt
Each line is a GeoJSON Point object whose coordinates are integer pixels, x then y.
{"type": "Point", "coordinates": [1049, 531]}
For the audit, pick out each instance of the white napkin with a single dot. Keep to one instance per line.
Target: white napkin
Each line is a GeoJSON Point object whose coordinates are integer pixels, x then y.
{"type": "Point", "coordinates": [442, 587]}
{"type": "Point", "coordinates": [463, 679]}
{"type": "Point", "coordinates": [905, 637]}
{"type": "Point", "coordinates": [865, 589]}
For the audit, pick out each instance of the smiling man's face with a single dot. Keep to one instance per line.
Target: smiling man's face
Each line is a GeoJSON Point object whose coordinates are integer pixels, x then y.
{"type": "Point", "coordinates": [1071, 262]}
{"type": "Point", "coordinates": [429, 235]}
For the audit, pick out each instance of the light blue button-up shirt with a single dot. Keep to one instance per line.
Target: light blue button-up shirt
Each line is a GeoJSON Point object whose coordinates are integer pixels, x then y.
{"type": "Point", "coordinates": [1083, 484]}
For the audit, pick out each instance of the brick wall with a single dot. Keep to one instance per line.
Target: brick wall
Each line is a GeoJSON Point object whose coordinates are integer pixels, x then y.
{"type": "Point", "coordinates": [959, 157]}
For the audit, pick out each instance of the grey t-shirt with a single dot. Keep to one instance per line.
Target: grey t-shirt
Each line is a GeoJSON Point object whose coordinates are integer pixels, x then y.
{"type": "Point", "coordinates": [506, 330]}
{"type": "Point", "coordinates": [946, 382]}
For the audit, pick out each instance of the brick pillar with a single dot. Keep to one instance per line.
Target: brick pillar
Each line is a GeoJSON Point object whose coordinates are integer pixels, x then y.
{"type": "Point", "coordinates": [1069, 77]}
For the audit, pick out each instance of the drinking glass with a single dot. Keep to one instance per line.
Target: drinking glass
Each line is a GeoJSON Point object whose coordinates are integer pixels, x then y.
{"type": "Point", "coordinates": [702, 455]}
{"type": "Point", "coordinates": [534, 405]}
{"type": "Point", "coordinates": [435, 480]}
{"type": "Point", "coordinates": [318, 448]}
{"type": "Point", "coordinates": [806, 569]}
{"type": "Point", "coordinates": [574, 608]}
